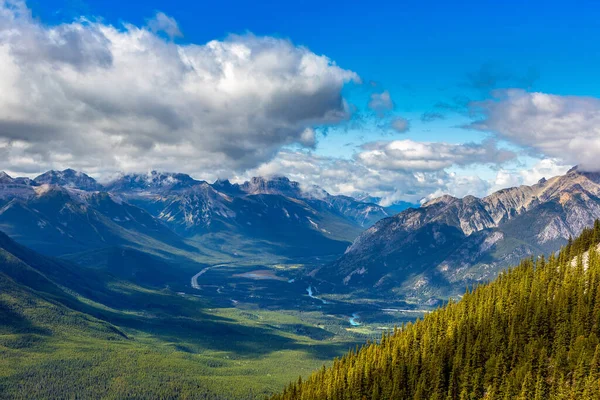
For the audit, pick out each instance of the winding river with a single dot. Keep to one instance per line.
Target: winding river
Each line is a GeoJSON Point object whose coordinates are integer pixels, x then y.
{"type": "Point", "coordinates": [353, 321]}
{"type": "Point", "coordinates": [309, 290]}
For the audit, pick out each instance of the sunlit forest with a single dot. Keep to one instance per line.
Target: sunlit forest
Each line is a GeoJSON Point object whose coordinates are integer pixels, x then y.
{"type": "Point", "coordinates": [533, 333]}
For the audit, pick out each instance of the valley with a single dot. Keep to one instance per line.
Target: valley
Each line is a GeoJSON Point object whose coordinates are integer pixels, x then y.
{"type": "Point", "coordinates": [299, 200]}
{"type": "Point", "coordinates": [203, 306]}
{"type": "Point", "coordinates": [226, 281]}
{"type": "Point", "coordinates": [221, 325]}
{"type": "Point", "coordinates": [159, 332]}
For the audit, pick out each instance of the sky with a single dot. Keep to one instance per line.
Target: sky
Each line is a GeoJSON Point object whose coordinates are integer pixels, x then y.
{"type": "Point", "coordinates": [400, 101]}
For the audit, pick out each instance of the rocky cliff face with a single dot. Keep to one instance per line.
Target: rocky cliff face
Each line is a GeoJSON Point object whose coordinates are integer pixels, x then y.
{"type": "Point", "coordinates": [437, 249]}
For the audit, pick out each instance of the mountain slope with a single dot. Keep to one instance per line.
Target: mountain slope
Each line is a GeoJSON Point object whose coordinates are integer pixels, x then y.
{"type": "Point", "coordinates": [57, 220]}
{"type": "Point", "coordinates": [277, 211]}
{"type": "Point", "coordinates": [64, 212]}
{"type": "Point", "coordinates": [54, 343]}
{"type": "Point", "coordinates": [435, 250]}
{"type": "Point", "coordinates": [534, 333]}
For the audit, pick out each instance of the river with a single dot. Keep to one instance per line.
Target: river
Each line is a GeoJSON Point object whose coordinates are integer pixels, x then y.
{"type": "Point", "coordinates": [353, 320]}
{"type": "Point", "coordinates": [309, 290]}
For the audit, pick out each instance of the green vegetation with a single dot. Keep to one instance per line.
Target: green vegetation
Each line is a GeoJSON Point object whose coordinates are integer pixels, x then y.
{"type": "Point", "coordinates": [70, 331]}
{"type": "Point", "coordinates": [50, 351]}
{"type": "Point", "coordinates": [534, 333]}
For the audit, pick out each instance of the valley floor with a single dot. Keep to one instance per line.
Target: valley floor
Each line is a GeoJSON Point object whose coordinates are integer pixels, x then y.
{"type": "Point", "coordinates": [224, 332]}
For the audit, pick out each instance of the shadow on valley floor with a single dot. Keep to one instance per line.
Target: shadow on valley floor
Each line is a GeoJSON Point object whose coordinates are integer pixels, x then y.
{"type": "Point", "coordinates": [217, 333]}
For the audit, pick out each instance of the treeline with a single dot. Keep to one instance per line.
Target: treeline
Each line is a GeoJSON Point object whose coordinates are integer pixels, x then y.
{"type": "Point", "coordinates": [533, 333]}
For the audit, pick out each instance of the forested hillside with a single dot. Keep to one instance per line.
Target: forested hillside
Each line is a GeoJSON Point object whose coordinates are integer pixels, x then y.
{"type": "Point", "coordinates": [533, 333]}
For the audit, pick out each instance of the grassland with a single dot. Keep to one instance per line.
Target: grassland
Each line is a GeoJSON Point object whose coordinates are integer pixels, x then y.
{"type": "Point", "coordinates": [87, 330]}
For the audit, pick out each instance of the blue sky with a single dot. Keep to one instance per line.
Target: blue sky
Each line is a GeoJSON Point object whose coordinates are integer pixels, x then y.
{"type": "Point", "coordinates": [435, 59]}
{"type": "Point", "coordinates": [428, 46]}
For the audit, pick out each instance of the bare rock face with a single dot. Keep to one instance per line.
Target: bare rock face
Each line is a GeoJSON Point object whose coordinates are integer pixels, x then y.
{"type": "Point", "coordinates": [69, 178]}
{"type": "Point", "coordinates": [449, 242]}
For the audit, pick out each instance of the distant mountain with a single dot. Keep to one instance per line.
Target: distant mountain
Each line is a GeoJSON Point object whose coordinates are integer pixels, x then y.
{"type": "Point", "coordinates": [277, 185]}
{"type": "Point", "coordinates": [153, 182]}
{"type": "Point", "coordinates": [276, 210]}
{"type": "Point", "coordinates": [62, 212]}
{"type": "Point", "coordinates": [70, 179]}
{"type": "Point", "coordinates": [435, 250]}
{"type": "Point", "coordinates": [397, 207]}
{"type": "Point", "coordinates": [59, 220]}
{"type": "Point", "coordinates": [5, 179]}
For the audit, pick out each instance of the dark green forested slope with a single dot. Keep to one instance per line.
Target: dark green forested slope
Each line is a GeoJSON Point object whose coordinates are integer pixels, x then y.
{"type": "Point", "coordinates": [531, 334]}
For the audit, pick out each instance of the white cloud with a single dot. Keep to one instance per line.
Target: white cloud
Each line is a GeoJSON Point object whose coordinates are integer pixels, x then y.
{"type": "Point", "coordinates": [546, 168]}
{"type": "Point", "coordinates": [409, 155]}
{"type": "Point", "coordinates": [308, 138]}
{"type": "Point", "coordinates": [400, 125]}
{"type": "Point", "coordinates": [459, 186]}
{"type": "Point", "coordinates": [353, 177]}
{"type": "Point", "coordinates": [163, 23]}
{"type": "Point", "coordinates": [95, 97]}
{"type": "Point", "coordinates": [505, 179]}
{"type": "Point", "coordinates": [381, 102]}
{"type": "Point", "coordinates": [562, 127]}
{"type": "Point", "coordinates": [101, 99]}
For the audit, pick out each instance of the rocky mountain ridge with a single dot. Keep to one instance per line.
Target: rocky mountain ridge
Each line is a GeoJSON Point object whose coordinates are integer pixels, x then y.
{"type": "Point", "coordinates": [274, 210]}
{"type": "Point", "coordinates": [437, 249]}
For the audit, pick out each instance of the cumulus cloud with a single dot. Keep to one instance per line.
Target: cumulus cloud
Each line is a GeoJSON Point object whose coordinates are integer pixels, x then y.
{"type": "Point", "coordinates": [410, 155]}
{"type": "Point", "coordinates": [400, 125]}
{"type": "Point", "coordinates": [101, 98]}
{"type": "Point", "coordinates": [352, 178]}
{"type": "Point", "coordinates": [381, 102]}
{"type": "Point", "coordinates": [546, 168]}
{"type": "Point", "coordinates": [562, 127]}
{"type": "Point", "coordinates": [506, 179]}
{"type": "Point", "coordinates": [163, 23]}
{"type": "Point", "coordinates": [399, 170]}
{"type": "Point", "coordinates": [459, 186]}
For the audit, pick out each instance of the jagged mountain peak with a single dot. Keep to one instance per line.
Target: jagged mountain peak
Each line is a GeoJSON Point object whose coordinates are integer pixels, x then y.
{"type": "Point", "coordinates": [153, 181]}
{"type": "Point", "coordinates": [5, 178]}
{"type": "Point", "coordinates": [272, 185]}
{"type": "Point", "coordinates": [69, 178]}
{"type": "Point", "coordinates": [225, 186]}
{"type": "Point", "coordinates": [222, 182]}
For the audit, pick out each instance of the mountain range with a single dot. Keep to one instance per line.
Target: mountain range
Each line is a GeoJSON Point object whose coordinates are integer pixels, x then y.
{"type": "Point", "coordinates": [423, 254]}
{"type": "Point", "coordinates": [136, 267]}
{"type": "Point", "coordinates": [436, 250]}
{"type": "Point", "coordinates": [61, 212]}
